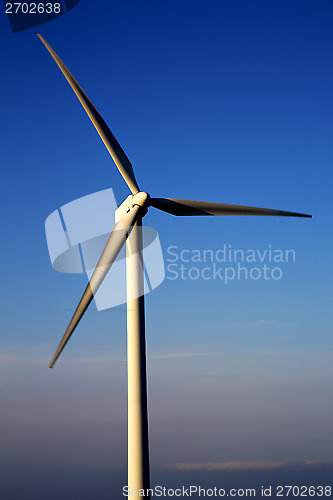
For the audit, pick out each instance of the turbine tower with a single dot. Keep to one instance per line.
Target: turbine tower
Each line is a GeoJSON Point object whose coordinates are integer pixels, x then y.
{"type": "Point", "coordinates": [128, 230]}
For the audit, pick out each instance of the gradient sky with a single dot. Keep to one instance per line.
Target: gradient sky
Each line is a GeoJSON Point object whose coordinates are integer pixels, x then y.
{"type": "Point", "coordinates": [225, 101]}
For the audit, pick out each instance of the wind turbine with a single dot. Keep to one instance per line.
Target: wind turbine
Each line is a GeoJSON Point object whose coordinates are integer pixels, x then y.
{"type": "Point", "coordinates": [128, 230]}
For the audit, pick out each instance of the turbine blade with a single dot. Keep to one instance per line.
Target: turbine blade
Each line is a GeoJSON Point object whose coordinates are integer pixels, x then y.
{"type": "Point", "coordinates": [111, 143]}
{"type": "Point", "coordinates": [116, 240]}
{"type": "Point", "coordinates": [190, 207]}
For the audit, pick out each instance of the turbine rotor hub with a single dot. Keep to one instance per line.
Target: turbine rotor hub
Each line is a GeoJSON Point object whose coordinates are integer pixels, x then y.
{"type": "Point", "coordinates": [140, 199]}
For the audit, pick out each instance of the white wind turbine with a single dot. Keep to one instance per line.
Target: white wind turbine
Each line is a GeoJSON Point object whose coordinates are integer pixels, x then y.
{"type": "Point", "coordinates": [128, 229]}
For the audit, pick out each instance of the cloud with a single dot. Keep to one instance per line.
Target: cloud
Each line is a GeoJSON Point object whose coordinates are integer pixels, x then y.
{"type": "Point", "coordinates": [23, 355]}
{"type": "Point", "coordinates": [262, 322]}
{"type": "Point", "coordinates": [244, 466]}
{"type": "Point", "coordinates": [174, 355]}
{"type": "Point", "coordinates": [40, 354]}
{"type": "Point", "coordinates": [243, 324]}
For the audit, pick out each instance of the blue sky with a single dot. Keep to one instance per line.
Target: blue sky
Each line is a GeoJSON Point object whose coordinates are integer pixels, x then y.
{"type": "Point", "coordinates": [219, 100]}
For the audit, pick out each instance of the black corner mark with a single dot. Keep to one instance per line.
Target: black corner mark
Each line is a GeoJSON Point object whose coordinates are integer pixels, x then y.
{"type": "Point", "coordinates": [70, 4]}
{"type": "Point", "coordinates": [25, 15]}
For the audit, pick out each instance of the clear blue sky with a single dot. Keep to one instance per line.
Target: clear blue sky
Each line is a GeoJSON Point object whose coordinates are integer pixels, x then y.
{"type": "Point", "coordinates": [214, 100]}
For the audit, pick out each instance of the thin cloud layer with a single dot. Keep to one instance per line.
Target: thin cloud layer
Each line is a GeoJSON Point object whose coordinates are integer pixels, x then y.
{"type": "Point", "coordinates": [262, 322]}
{"type": "Point", "coordinates": [174, 355]}
{"type": "Point", "coordinates": [244, 466]}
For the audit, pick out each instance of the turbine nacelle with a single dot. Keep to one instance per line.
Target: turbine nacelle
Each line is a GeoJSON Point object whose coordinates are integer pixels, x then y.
{"type": "Point", "coordinates": [140, 199]}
